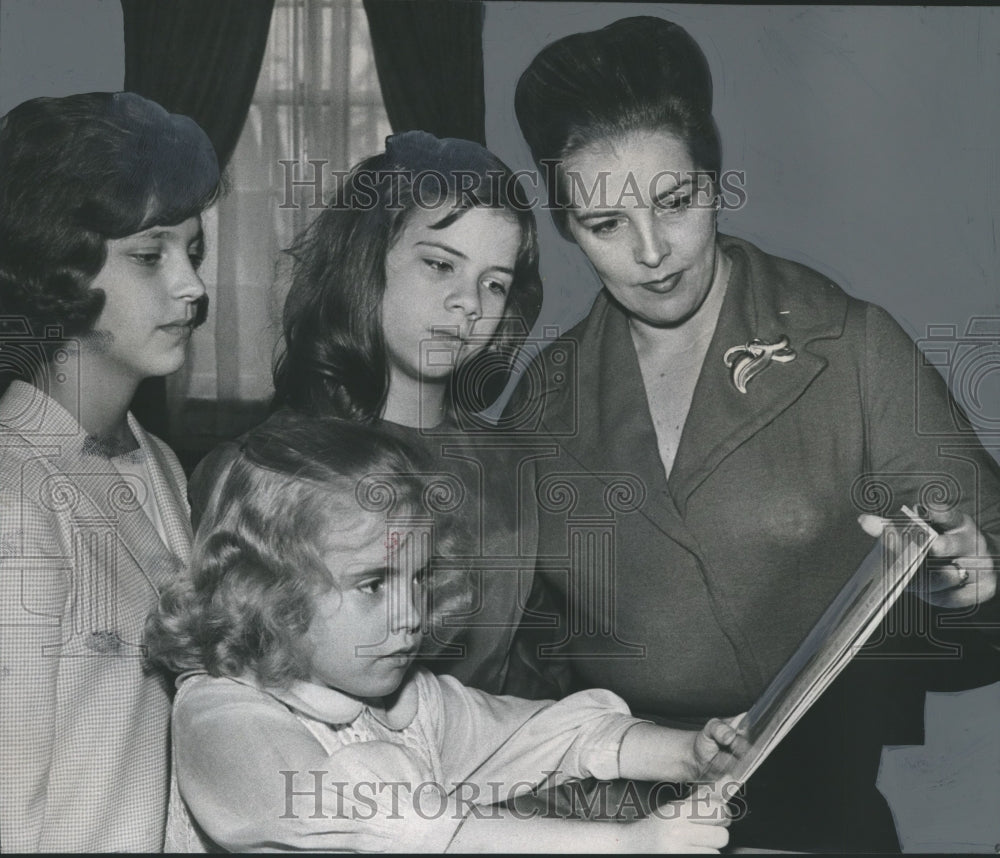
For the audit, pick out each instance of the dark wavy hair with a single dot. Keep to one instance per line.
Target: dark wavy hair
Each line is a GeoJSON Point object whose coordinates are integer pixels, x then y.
{"type": "Point", "coordinates": [637, 74]}
{"type": "Point", "coordinates": [75, 172]}
{"type": "Point", "coordinates": [334, 358]}
{"type": "Point", "coordinates": [257, 566]}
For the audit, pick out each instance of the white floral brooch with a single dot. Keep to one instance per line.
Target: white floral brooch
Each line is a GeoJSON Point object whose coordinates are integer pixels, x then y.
{"type": "Point", "coordinates": [752, 359]}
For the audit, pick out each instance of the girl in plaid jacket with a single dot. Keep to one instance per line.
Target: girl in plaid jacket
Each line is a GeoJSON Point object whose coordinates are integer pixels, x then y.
{"type": "Point", "coordinates": [100, 241]}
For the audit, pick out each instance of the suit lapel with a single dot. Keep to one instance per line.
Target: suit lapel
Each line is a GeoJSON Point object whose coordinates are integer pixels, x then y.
{"type": "Point", "coordinates": [137, 544]}
{"type": "Point", "coordinates": [624, 412]}
{"type": "Point", "coordinates": [761, 301]}
{"type": "Point", "coordinates": [104, 501]}
{"type": "Point", "coordinates": [116, 557]}
{"type": "Point", "coordinates": [721, 418]}
{"type": "Point", "coordinates": [168, 493]}
{"type": "Point", "coordinates": [615, 433]}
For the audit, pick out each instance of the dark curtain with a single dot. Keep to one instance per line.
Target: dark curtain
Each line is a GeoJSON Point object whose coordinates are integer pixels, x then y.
{"type": "Point", "coordinates": [429, 56]}
{"type": "Point", "coordinates": [201, 59]}
{"type": "Point", "coordinates": [198, 58]}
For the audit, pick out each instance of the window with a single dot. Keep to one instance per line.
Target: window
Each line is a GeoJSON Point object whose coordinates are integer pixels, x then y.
{"type": "Point", "coordinates": [317, 98]}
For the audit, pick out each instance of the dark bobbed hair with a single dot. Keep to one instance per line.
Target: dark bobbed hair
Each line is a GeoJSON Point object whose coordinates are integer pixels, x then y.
{"type": "Point", "coordinates": [247, 597]}
{"type": "Point", "coordinates": [334, 358]}
{"type": "Point", "coordinates": [77, 171]}
{"type": "Point", "coordinates": [637, 74]}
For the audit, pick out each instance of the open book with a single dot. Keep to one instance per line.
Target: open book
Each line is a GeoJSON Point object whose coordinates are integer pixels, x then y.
{"type": "Point", "coordinates": [841, 631]}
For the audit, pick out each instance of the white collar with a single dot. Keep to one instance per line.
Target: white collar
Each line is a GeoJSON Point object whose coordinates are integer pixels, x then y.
{"type": "Point", "coordinates": [334, 707]}
{"type": "Point", "coordinates": [29, 411]}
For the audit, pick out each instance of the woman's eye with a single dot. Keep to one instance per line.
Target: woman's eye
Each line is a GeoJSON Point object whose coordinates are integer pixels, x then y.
{"type": "Point", "coordinates": [196, 253]}
{"type": "Point", "coordinates": [143, 258]}
{"type": "Point", "coordinates": [497, 287]}
{"type": "Point", "coordinates": [441, 265]}
{"type": "Point", "coordinates": [674, 203]}
{"type": "Point", "coordinates": [371, 587]}
{"type": "Point", "coordinates": [605, 227]}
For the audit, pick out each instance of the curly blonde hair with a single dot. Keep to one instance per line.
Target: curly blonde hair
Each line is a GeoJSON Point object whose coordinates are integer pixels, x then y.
{"type": "Point", "coordinates": [248, 595]}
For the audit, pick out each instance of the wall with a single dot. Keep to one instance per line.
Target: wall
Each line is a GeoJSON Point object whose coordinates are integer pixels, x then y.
{"type": "Point", "coordinates": [59, 47]}
{"type": "Point", "coordinates": [868, 136]}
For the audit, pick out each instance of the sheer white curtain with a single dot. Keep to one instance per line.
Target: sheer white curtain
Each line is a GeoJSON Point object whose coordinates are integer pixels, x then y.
{"type": "Point", "coordinates": [317, 99]}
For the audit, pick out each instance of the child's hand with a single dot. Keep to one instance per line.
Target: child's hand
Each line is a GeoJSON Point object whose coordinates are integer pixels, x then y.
{"type": "Point", "coordinates": [718, 746]}
{"type": "Point", "coordinates": [653, 753]}
{"type": "Point", "coordinates": [697, 824]}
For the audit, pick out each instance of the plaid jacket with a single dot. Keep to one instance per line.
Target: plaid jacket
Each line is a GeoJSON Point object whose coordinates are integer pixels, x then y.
{"type": "Point", "coordinates": [84, 762]}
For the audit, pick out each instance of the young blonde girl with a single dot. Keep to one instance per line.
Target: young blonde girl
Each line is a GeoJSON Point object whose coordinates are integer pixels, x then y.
{"type": "Point", "coordinates": [301, 720]}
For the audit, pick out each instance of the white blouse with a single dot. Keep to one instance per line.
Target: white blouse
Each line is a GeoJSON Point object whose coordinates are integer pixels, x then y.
{"type": "Point", "coordinates": [311, 768]}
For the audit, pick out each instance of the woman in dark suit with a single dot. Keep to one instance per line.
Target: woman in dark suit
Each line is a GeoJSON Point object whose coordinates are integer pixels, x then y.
{"type": "Point", "coordinates": [730, 415]}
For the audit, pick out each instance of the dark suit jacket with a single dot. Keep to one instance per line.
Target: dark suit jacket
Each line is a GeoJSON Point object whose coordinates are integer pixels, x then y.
{"type": "Point", "coordinates": [687, 595]}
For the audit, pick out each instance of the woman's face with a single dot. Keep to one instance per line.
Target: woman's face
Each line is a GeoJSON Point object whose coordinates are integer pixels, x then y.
{"type": "Point", "coordinates": [446, 290]}
{"type": "Point", "coordinates": [637, 211]}
{"type": "Point", "coordinates": [150, 283]}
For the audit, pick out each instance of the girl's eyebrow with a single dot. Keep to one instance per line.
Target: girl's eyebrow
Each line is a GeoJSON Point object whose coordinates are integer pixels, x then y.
{"type": "Point", "coordinates": [365, 574]}
{"type": "Point", "coordinates": [447, 248]}
{"type": "Point", "coordinates": [166, 232]}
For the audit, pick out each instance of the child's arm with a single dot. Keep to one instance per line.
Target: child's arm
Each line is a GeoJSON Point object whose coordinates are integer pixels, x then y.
{"type": "Point", "coordinates": [521, 744]}
{"type": "Point", "coordinates": [653, 753]}
{"type": "Point", "coordinates": [487, 739]}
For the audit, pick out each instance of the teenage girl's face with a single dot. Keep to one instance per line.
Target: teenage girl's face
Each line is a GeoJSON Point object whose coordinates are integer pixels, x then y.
{"type": "Point", "coordinates": [446, 290]}
{"type": "Point", "coordinates": [651, 237]}
{"type": "Point", "coordinates": [150, 282]}
{"type": "Point", "coordinates": [366, 629]}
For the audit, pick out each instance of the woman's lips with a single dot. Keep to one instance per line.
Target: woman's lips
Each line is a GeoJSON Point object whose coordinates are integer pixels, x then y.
{"type": "Point", "coordinates": [663, 285]}
{"type": "Point", "coordinates": [398, 659]}
{"type": "Point", "coordinates": [178, 329]}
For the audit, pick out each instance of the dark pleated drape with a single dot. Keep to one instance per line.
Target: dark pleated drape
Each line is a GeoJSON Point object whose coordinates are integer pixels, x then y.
{"type": "Point", "coordinates": [200, 58]}
{"type": "Point", "coordinates": [429, 56]}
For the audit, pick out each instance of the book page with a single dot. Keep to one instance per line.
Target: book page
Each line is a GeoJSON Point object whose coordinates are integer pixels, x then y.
{"type": "Point", "coordinates": [841, 631]}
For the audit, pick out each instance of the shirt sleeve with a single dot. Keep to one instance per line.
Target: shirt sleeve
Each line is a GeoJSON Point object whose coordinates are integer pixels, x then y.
{"type": "Point", "coordinates": [255, 778]}
{"type": "Point", "coordinates": [522, 744]}
{"type": "Point", "coordinates": [34, 586]}
{"type": "Point", "coordinates": [922, 446]}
